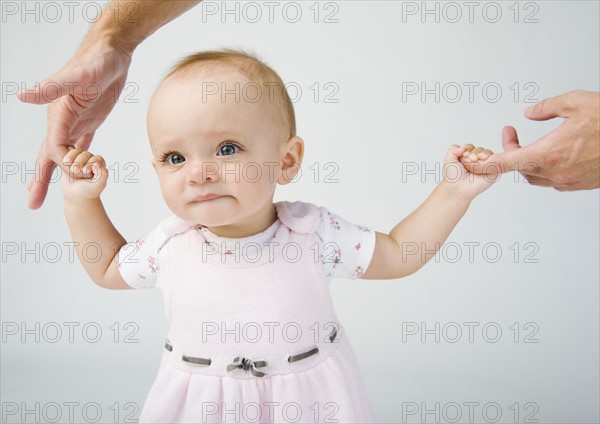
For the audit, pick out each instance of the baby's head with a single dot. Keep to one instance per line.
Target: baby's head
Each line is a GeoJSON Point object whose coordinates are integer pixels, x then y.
{"type": "Point", "coordinates": [221, 122]}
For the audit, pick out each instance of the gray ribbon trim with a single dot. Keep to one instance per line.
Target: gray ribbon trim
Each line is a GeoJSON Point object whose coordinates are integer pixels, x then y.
{"type": "Point", "coordinates": [200, 361]}
{"type": "Point", "coordinates": [247, 364]}
{"type": "Point", "coordinates": [333, 334]}
{"type": "Point", "coordinates": [306, 354]}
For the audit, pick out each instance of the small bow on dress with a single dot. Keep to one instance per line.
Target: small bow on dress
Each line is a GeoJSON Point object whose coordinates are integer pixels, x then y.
{"type": "Point", "coordinates": [247, 364]}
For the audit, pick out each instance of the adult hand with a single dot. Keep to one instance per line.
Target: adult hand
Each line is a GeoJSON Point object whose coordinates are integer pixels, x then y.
{"type": "Point", "coordinates": [567, 158]}
{"type": "Point", "coordinates": [81, 95]}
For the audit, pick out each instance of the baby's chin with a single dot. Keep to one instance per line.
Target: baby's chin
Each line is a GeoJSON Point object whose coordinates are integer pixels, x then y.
{"type": "Point", "coordinates": [209, 213]}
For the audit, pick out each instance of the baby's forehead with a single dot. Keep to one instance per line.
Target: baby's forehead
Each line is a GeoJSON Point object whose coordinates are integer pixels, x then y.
{"type": "Point", "coordinates": [216, 74]}
{"type": "Point", "coordinates": [206, 72]}
{"type": "Point", "coordinates": [227, 84]}
{"type": "Point", "coordinates": [224, 83]}
{"type": "Point", "coordinates": [226, 92]}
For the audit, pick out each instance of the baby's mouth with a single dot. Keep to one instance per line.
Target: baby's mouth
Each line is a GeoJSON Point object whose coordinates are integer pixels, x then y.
{"type": "Point", "coordinates": [207, 197]}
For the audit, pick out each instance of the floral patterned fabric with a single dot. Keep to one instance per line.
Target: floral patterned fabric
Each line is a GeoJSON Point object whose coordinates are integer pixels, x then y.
{"type": "Point", "coordinates": [345, 248]}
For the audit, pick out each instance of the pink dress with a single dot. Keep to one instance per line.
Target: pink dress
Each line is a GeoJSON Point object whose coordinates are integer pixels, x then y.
{"type": "Point", "coordinates": [253, 336]}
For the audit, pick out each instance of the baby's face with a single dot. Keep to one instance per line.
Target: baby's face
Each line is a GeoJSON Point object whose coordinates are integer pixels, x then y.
{"type": "Point", "coordinates": [204, 144]}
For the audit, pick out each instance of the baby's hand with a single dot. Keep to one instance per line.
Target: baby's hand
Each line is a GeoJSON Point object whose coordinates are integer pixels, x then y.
{"type": "Point", "coordinates": [84, 175]}
{"type": "Point", "coordinates": [457, 170]}
{"type": "Point", "coordinates": [472, 154]}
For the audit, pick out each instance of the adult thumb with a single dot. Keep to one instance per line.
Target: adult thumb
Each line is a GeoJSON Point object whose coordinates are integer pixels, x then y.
{"type": "Point", "coordinates": [514, 158]}
{"type": "Point", "coordinates": [510, 139]}
{"type": "Point", "coordinates": [46, 91]}
{"type": "Point", "coordinates": [549, 108]}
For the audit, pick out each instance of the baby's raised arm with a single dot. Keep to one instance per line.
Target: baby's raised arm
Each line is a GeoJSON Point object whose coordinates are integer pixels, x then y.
{"type": "Point", "coordinates": [416, 239]}
{"type": "Point", "coordinates": [97, 241]}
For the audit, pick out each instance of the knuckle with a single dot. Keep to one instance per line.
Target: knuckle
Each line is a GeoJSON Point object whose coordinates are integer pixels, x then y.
{"type": "Point", "coordinates": [561, 178]}
{"type": "Point", "coordinates": [541, 106]}
{"type": "Point", "coordinates": [576, 97]}
{"type": "Point", "coordinates": [551, 159]}
{"type": "Point", "coordinates": [576, 93]}
{"type": "Point", "coordinates": [573, 100]}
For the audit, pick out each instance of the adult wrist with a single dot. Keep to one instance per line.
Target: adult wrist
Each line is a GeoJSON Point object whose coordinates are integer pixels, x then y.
{"type": "Point", "coordinates": [107, 40]}
{"type": "Point", "coordinates": [107, 34]}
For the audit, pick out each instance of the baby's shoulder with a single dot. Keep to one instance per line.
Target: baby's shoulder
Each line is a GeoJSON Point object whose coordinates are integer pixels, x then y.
{"type": "Point", "coordinates": [173, 225]}
{"type": "Point", "coordinates": [300, 217]}
{"type": "Point", "coordinates": [305, 217]}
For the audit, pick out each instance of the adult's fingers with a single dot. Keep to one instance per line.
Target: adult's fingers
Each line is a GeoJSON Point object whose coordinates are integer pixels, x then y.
{"type": "Point", "coordinates": [38, 185]}
{"type": "Point", "coordinates": [85, 141]}
{"type": "Point", "coordinates": [551, 107]}
{"type": "Point", "coordinates": [46, 161]}
{"type": "Point", "coordinates": [514, 157]}
{"type": "Point", "coordinates": [46, 91]}
{"type": "Point", "coordinates": [539, 181]}
{"type": "Point", "coordinates": [545, 182]}
{"type": "Point", "coordinates": [62, 82]}
{"type": "Point", "coordinates": [57, 154]}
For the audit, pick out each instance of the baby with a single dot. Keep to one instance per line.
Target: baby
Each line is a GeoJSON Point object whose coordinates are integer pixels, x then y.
{"type": "Point", "coordinates": [252, 331]}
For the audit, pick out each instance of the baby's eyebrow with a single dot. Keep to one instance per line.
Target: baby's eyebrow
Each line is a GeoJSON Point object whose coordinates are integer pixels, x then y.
{"type": "Point", "coordinates": [220, 133]}
{"type": "Point", "coordinates": [167, 144]}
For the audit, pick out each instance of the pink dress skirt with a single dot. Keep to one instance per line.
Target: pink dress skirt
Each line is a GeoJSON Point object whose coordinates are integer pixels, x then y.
{"type": "Point", "coordinates": [253, 336]}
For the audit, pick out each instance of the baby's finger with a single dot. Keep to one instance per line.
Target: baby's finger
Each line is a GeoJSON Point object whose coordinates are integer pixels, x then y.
{"type": "Point", "coordinates": [93, 165]}
{"type": "Point", "coordinates": [96, 159]}
{"type": "Point", "coordinates": [457, 150]}
{"type": "Point", "coordinates": [474, 154]}
{"type": "Point", "coordinates": [469, 148]}
{"type": "Point", "coordinates": [71, 155]}
{"type": "Point", "coordinates": [80, 161]}
{"type": "Point", "coordinates": [486, 153]}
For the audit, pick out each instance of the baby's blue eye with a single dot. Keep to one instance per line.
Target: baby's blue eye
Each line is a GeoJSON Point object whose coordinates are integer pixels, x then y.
{"type": "Point", "coordinates": [175, 159]}
{"type": "Point", "coordinates": [228, 149]}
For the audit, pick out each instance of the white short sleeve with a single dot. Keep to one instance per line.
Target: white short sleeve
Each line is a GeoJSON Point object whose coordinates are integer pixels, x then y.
{"type": "Point", "coordinates": [139, 262]}
{"type": "Point", "coordinates": [346, 249]}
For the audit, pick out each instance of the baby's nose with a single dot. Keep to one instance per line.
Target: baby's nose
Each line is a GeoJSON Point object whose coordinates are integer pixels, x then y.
{"type": "Point", "coordinates": [202, 171]}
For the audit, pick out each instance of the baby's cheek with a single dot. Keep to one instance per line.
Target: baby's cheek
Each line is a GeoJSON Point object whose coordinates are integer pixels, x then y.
{"type": "Point", "coordinates": [267, 173]}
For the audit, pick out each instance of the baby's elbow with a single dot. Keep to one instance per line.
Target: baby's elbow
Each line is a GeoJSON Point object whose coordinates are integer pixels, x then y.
{"type": "Point", "coordinates": [406, 271]}
{"type": "Point", "coordinates": [112, 284]}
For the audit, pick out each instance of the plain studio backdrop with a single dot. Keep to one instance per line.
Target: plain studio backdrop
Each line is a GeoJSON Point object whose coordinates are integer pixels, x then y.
{"type": "Point", "coordinates": [502, 326]}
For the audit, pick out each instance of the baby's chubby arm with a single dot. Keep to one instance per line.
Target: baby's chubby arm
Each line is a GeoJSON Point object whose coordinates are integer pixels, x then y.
{"type": "Point", "coordinates": [416, 239]}
{"type": "Point", "coordinates": [83, 178]}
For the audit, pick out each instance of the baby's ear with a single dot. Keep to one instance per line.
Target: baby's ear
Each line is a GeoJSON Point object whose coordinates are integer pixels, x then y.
{"type": "Point", "coordinates": [292, 160]}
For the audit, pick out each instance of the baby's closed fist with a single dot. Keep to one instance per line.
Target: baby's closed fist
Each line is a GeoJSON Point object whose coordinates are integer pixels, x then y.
{"type": "Point", "coordinates": [475, 154]}
{"type": "Point", "coordinates": [475, 160]}
{"type": "Point", "coordinates": [459, 166]}
{"type": "Point", "coordinates": [84, 175]}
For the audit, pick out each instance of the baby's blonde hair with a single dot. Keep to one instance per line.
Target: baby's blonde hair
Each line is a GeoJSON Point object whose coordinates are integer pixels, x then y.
{"type": "Point", "coordinates": [249, 65]}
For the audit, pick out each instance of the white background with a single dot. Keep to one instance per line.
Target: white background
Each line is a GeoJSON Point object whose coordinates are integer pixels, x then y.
{"type": "Point", "coordinates": [374, 136]}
